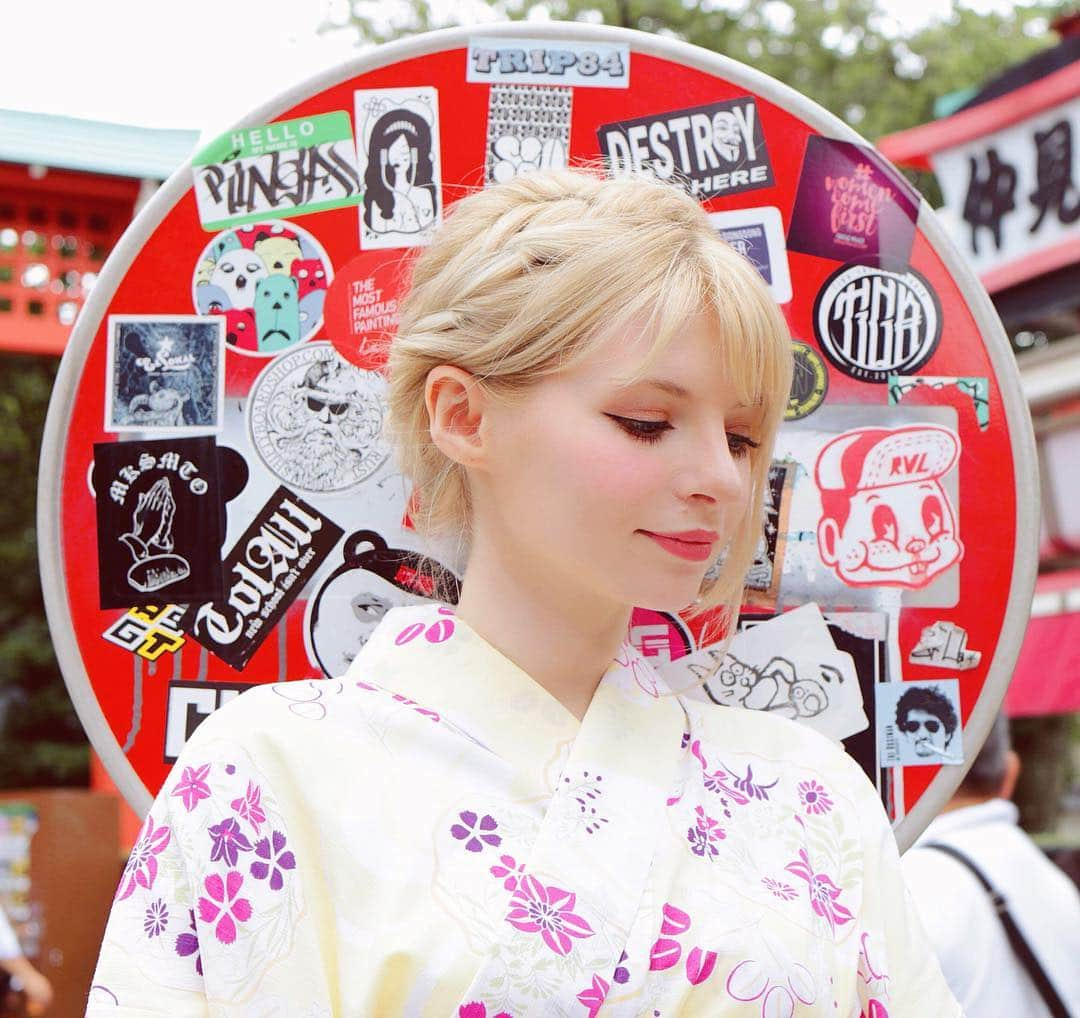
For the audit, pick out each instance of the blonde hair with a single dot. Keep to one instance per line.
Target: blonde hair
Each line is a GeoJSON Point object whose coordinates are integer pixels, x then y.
{"type": "Point", "coordinates": [527, 276]}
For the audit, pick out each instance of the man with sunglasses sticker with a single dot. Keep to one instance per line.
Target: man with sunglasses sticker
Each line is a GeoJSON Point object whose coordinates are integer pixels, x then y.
{"type": "Point", "coordinates": [927, 724]}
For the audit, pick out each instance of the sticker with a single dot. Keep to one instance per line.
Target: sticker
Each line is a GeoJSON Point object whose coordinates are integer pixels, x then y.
{"type": "Point", "coordinates": [919, 723]}
{"type": "Point", "coordinates": [758, 235]}
{"type": "Point", "coordinates": [316, 420]}
{"type": "Point", "coordinates": [267, 281]}
{"type": "Point", "coordinates": [189, 705]}
{"type": "Point", "coordinates": [809, 681]}
{"type": "Point", "coordinates": [165, 373]}
{"type": "Point", "coordinates": [886, 519]}
{"type": "Point", "coordinates": [809, 382]}
{"type": "Point", "coordinates": [718, 149]}
{"type": "Point", "coordinates": [538, 62]}
{"type": "Point", "coordinates": [19, 822]}
{"type": "Point", "coordinates": [975, 387]}
{"type": "Point", "coordinates": [659, 636]}
{"type": "Point", "coordinates": [528, 129]}
{"type": "Point", "coordinates": [851, 205]}
{"type": "Point", "coordinates": [872, 323]}
{"type": "Point", "coordinates": [762, 581]}
{"type": "Point", "coordinates": [397, 139]}
{"type": "Point", "coordinates": [149, 631]}
{"type": "Point", "coordinates": [362, 306]}
{"type": "Point", "coordinates": [353, 599]}
{"type": "Point", "coordinates": [282, 169]}
{"type": "Point", "coordinates": [160, 520]}
{"type": "Point", "coordinates": [944, 645]}
{"type": "Point", "coordinates": [270, 564]}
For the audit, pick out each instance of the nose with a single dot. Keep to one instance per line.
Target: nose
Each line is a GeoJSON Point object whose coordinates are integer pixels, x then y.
{"type": "Point", "coordinates": [914, 546]}
{"type": "Point", "coordinates": [712, 473]}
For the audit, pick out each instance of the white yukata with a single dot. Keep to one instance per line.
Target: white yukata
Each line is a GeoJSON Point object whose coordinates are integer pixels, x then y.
{"type": "Point", "coordinates": [435, 835]}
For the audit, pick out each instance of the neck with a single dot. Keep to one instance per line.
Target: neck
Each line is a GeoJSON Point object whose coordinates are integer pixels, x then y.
{"type": "Point", "coordinates": [560, 636]}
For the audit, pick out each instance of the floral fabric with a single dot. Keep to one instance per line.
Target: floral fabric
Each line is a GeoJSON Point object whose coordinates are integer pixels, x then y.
{"type": "Point", "coordinates": [432, 834]}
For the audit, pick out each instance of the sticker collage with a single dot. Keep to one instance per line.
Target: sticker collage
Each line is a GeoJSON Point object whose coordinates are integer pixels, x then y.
{"type": "Point", "coordinates": [251, 525]}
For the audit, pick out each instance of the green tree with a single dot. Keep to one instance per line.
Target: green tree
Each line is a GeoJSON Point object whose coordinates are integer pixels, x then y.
{"type": "Point", "coordinates": [41, 740]}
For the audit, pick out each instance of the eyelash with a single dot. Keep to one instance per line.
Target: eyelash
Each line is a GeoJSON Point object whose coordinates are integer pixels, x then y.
{"type": "Point", "coordinates": [653, 431]}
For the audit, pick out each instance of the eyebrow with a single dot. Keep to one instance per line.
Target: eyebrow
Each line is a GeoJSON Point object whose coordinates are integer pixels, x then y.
{"type": "Point", "coordinates": [671, 388]}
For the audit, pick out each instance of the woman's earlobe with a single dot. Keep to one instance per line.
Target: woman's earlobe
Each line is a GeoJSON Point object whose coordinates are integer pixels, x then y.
{"type": "Point", "coordinates": [455, 404]}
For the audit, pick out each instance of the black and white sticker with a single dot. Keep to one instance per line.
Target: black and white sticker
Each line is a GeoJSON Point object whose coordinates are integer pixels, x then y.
{"type": "Point", "coordinates": [872, 323]}
{"type": "Point", "coordinates": [718, 149]}
{"type": "Point", "coordinates": [543, 62]}
{"type": "Point", "coordinates": [189, 705]}
{"type": "Point", "coordinates": [528, 129]}
{"type": "Point", "coordinates": [758, 235]}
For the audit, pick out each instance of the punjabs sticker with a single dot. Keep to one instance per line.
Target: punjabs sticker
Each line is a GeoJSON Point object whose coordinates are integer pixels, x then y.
{"type": "Point", "coordinates": [397, 143]}
{"type": "Point", "coordinates": [160, 520]}
{"type": "Point", "coordinates": [718, 149]}
{"type": "Point", "coordinates": [287, 168]}
{"type": "Point", "coordinates": [872, 322]}
{"type": "Point", "coordinates": [852, 204]}
{"type": "Point", "coordinates": [918, 723]}
{"type": "Point", "coordinates": [266, 569]}
{"type": "Point", "coordinates": [164, 373]}
{"type": "Point", "coordinates": [758, 235]}
{"type": "Point", "coordinates": [316, 419]}
{"type": "Point", "coordinates": [266, 281]}
{"type": "Point", "coordinates": [541, 62]}
{"type": "Point", "coordinates": [528, 129]}
{"type": "Point", "coordinates": [809, 382]}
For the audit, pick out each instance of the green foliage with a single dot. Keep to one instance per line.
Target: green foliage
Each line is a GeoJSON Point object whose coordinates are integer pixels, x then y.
{"type": "Point", "coordinates": [41, 741]}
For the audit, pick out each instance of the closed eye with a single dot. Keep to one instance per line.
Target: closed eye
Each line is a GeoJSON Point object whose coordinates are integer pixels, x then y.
{"type": "Point", "coordinates": [741, 445]}
{"type": "Point", "coordinates": [644, 431]}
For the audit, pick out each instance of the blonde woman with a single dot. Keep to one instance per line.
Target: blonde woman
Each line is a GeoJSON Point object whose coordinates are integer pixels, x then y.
{"type": "Point", "coordinates": [500, 809]}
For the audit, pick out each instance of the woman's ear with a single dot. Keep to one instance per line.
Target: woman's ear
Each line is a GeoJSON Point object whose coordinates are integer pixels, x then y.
{"type": "Point", "coordinates": [455, 406]}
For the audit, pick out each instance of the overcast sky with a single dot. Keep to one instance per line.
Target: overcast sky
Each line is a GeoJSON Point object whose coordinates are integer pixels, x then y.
{"type": "Point", "coordinates": [198, 64]}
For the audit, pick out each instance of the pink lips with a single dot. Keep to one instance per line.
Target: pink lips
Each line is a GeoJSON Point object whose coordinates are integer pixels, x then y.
{"type": "Point", "coordinates": [694, 545]}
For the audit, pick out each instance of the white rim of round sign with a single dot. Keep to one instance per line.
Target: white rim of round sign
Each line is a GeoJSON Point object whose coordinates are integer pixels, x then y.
{"type": "Point", "coordinates": [1018, 420]}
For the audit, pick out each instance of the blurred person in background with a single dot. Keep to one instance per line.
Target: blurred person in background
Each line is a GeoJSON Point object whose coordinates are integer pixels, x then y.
{"type": "Point", "coordinates": [23, 975]}
{"type": "Point", "coordinates": [1010, 948]}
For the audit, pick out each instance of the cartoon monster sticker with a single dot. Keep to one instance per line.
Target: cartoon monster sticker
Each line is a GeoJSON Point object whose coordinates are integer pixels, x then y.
{"type": "Point", "coordinates": [886, 520]}
{"type": "Point", "coordinates": [277, 313]}
{"type": "Point", "coordinates": [237, 272]}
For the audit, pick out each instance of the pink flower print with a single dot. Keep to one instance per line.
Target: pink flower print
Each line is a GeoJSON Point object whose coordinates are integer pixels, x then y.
{"type": "Point", "coordinates": [548, 911]}
{"type": "Point", "coordinates": [704, 835]}
{"type": "Point", "coordinates": [224, 905]}
{"type": "Point", "coordinates": [664, 954]}
{"type": "Point", "coordinates": [478, 1010]}
{"type": "Point", "coordinates": [814, 797]}
{"type": "Point", "coordinates": [156, 918]}
{"type": "Point", "coordinates": [823, 892]}
{"type": "Point", "coordinates": [192, 786]}
{"type": "Point", "coordinates": [593, 997]}
{"type": "Point", "coordinates": [229, 841]}
{"type": "Point", "coordinates": [717, 781]}
{"type": "Point", "coordinates": [509, 870]}
{"type": "Point", "coordinates": [250, 807]}
{"type": "Point", "coordinates": [785, 892]}
{"type": "Point", "coordinates": [700, 965]}
{"type": "Point", "coordinates": [875, 1010]}
{"type": "Point", "coordinates": [479, 833]}
{"type": "Point", "coordinates": [187, 944]}
{"type": "Point", "coordinates": [273, 858]}
{"type": "Point", "coordinates": [676, 921]}
{"type": "Point", "coordinates": [142, 867]}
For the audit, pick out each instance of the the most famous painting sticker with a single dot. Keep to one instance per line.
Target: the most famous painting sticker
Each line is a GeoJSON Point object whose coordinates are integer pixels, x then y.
{"type": "Point", "coordinates": [919, 723]}
{"type": "Point", "coordinates": [316, 420]}
{"type": "Point", "coordinates": [160, 521]}
{"type": "Point", "coordinates": [397, 144]}
{"type": "Point", "coordinates": [528, 129]}
{"type": "Point", "coordinates": [165, 373]}
{"type": "Point", "coordinates": [851, 204]}
{"type": "Point", "coordinates": [886, 519]}
{"type": "Point", "coordinates": [718, 149]}
{"type": "Point", "coordinates": [267, 281]}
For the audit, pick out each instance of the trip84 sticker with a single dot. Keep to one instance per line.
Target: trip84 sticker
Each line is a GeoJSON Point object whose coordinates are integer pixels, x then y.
{"type": "Point", "coordinates": [536, 62]}
{"type": "Point", "coordinates": [871, 322]}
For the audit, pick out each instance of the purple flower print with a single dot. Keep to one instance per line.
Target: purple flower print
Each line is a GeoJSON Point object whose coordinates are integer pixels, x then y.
{"type": "Point", "coordinates": [224, 905]}
{"type": "Point", "coordinates": [142, 867]}
{"type": "Point", "coordinates": [192, 786]}
{"type": "Point", "coordinates": [229, 841]}
{"type": "Point", "coordinates": [814, 797]}
{"type": "Point", "coordinates": [478, 1010]}
{"type": "Point", "coordinates": [509, 870]}
{"type": "Point", "coordinates": [785, 892]}
{"type": "Point", "coordinates": [548, 911]}
{"type": "Point", "coordinates": [187, 944]}
{"type": "Point", "coordinates": [704, 835]}
{"type": "Point", "coordinates": [273, 858]}
{"type": "Point", "coordinates": [718, 781]}
{"type": "Point", "coordinates": [156, 918]}
{"type": "Point", "coordinates": [250, 806]}
{"type": "Point", "coordinates": [593, 997]}
{"type": "Point", "coordinates": [750, 787]}
{"type": "Point", "coordinates": [622, 973]}
{"type": "Point", "coordinates": [823, 892]}
{"type": "Point", "coordinates": [479, 833]}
